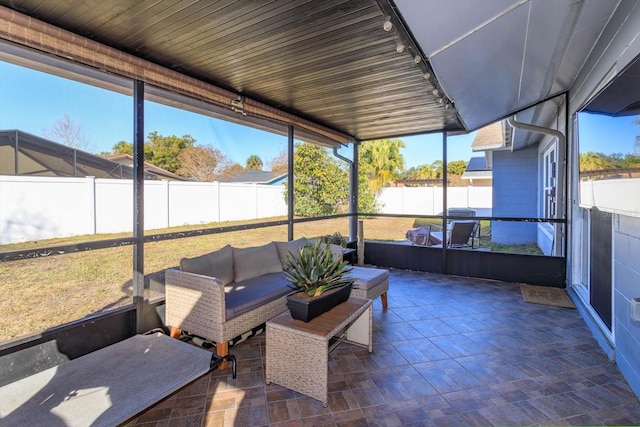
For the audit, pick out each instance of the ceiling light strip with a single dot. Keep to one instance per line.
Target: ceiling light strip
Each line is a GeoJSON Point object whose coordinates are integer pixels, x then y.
{"type": "Point", "coordinates": [27, 31]}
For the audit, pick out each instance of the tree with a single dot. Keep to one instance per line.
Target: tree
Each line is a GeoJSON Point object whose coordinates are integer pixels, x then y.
{"type": "Point", "coordinates": [320, 185]}
{"type": "Point", "coordinates": [437, 168]}
{"type": "Point", "coordinates": [202, 163]}
{"type": "Point", "coordinates": [163, 151]}
{"type": "Point", "coordinates": [68, 132]}
{"type": "Point", "coordinates": [254, 163]}
{"type": "Point", "coordinates": [384, 161]}
{"type": "Point", "coordinates": [280, 163]}
{"type": "Point", "coordinates": [420, 172]}
{"type": "Point", "coordinates": [631, 161]}
{"type": "Point", "coordinates": [230, 170]}
{"type": "Point", "coordinates": [123, 147]}
{"type": "Point", "coordinates": [591, 161]}
{"type": "Point", "coordinates": [366, 198]}
{"type": "Point", "coordinates": [456, 167]}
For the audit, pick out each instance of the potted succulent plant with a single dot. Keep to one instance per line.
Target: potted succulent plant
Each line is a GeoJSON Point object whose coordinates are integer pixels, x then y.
{"type": "Point", "coordinates": [320, 280]}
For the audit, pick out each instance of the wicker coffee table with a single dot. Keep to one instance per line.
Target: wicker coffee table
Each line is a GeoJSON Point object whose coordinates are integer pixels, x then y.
{"type": "Point", "coordinates": [298, 352]}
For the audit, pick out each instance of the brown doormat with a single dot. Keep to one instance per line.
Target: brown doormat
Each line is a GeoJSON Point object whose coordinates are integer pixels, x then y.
{"type": "Point", "coordinates": [546, 295]}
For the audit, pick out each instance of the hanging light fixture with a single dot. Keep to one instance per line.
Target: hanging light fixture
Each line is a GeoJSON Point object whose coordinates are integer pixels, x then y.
{"type": "Point", "coordinates": [417, 59]}
{"type": "Point", "coordinates": [387, 26]}
{"type": "Point", "coordinates": [399, 47]}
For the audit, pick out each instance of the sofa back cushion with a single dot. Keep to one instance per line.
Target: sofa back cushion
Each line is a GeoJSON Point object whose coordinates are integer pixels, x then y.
{"type": "Point", "coordinates": [255, 261]}
{"type": "Point", "coordinates": [217, 264]}
{"type": "Point", "coordinates": [293, 247]}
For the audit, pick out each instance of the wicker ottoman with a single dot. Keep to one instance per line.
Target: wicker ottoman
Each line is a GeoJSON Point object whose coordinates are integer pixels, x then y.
{"type": "Point", "coordinates": [298, 352]}
{"type": "Point", "coordinates": [370, 283]}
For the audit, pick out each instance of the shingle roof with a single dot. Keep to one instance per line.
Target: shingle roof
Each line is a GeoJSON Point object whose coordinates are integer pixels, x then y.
{"type": "Point", "coordinates": [127, 159]}
{"type": "Point", "coordinates": [477, 168]}
{"type": "Point", "coordinates": [489, 137]}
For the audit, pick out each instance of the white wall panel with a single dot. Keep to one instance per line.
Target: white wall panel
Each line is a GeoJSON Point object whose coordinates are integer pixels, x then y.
{"type": "Point", "coordinates": [193, 203]}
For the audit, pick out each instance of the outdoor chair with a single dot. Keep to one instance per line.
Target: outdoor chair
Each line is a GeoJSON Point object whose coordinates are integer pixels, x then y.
{"type": "Point", "coordinates": [464, 212]}
{"type": "Point", "coordinates": [422, 236]}
{"type": "Point", "coordinates": [457, 236]}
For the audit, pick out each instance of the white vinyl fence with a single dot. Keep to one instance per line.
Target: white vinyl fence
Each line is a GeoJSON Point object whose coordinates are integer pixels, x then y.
{"type": "Point", "coordinates": [36, 208]}
{"type": "Point", "coordinates": [428, 200]}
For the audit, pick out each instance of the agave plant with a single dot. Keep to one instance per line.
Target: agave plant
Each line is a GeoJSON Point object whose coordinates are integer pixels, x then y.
{"type": "Point", "coordinates": [315, 271]}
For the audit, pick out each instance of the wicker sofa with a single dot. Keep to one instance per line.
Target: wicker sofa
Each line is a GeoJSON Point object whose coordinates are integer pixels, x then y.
{"type": "Point", "coordinates": [225, 293]}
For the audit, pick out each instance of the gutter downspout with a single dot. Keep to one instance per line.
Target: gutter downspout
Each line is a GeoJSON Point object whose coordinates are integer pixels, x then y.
{"type": "Point", "coordinates": [560, 174]}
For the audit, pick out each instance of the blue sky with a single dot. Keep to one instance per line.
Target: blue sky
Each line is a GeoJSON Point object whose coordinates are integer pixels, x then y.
{"type": "Point", "coordinates": [608, 135]}
{"type": "Point", "coordinates": [34, 101]}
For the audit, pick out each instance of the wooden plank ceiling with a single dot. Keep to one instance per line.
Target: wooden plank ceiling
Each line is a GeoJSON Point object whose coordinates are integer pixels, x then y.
{"type": "Point", "coordinates": [328, 61]}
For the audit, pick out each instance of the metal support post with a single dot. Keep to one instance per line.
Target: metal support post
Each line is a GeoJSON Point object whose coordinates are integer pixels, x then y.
{"type": "Point", "coordinates": [138, 202]}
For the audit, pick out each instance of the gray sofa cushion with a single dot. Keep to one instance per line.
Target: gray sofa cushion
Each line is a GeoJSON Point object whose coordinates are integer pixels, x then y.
{"type": "Point", "coordinates": [218, 264]}
{"type": "Point", "coordinates": [367, 277]}
{"type": "Point", "coordinates": [293, 247]}
{"type": "Point", "coordinates": [241, 297]}
{"type": "Point", "coordinates": [255, 261]}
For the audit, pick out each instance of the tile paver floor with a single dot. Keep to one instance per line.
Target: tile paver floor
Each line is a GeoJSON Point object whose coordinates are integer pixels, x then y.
{"type": "Point", "coordinates": [449, 351]}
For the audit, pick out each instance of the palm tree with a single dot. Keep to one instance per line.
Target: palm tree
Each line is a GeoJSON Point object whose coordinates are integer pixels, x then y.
{"type": "Point", "coordinates": [254, 163]}
{"type": "Point", "coordinates": [382, 160]}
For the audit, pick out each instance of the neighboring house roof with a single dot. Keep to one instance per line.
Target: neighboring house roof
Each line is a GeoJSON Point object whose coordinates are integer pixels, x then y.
{"type": "Point", "coordinates": [257, 177]}
{"type": "Point", "coordinates": [496, 136]}
{"type": "Point", "coordinates": [477, 168]}
{"type": "Point", "coordinates": [127, 159]}
{"type": "Point", "coordinates": [22, 153]}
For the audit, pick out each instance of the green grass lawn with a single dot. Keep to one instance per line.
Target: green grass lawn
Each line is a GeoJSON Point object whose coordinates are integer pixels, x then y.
{"type": "Point", "coordinates": [40, 293]}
